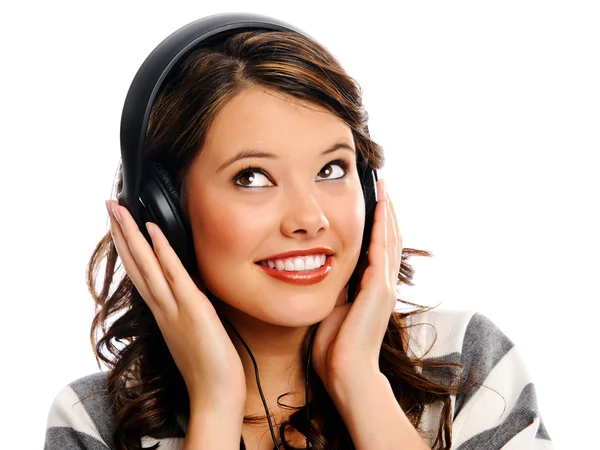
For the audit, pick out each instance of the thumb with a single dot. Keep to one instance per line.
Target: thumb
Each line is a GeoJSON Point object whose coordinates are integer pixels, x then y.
{"type": "Point", "coordinates": [326, 333]}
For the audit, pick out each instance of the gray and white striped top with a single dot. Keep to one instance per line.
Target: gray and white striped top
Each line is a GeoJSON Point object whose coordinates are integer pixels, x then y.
{"type": "Point", "coordinates": [501, 414]}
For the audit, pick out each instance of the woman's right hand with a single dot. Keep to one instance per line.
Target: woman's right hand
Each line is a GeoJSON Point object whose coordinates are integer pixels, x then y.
{"type": "Point", "coordinates": [193, 332]}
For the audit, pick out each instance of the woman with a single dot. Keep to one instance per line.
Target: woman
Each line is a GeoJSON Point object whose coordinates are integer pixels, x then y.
{"type": "Point", "coordinates": [265, 317]}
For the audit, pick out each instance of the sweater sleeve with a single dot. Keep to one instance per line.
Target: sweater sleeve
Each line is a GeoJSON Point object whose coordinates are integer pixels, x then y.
{"type": "Point", "coordinates": [501, 412]}
{"type": "Point", "coordinates": [80, 417]}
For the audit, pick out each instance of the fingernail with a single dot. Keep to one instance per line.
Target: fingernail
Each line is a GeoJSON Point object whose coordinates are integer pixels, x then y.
{"type": "Point", "coordinates": [150, 229]}
{"type": "Point", "coordinates": [113, 211]}
{"type": "Point", "coordinates": [117, 215]}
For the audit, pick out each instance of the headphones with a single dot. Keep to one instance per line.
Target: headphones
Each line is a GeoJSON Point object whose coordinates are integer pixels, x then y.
{"type": "Point", "coordinates": [148, 192]}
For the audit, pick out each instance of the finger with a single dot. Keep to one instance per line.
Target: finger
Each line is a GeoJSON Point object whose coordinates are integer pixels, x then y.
{"type": "Point", "coordinates": [144, 264]}
{"type": "Point", "coordinates": [379, 236]}
{"type": "Point", "coordinates": [184, 288]}
{"type": "Point", "coordinates": [392, 266]}
{"type": "Point", "coordinates": [331, 325]}
{"type": "Point", "coordinates": [396, 249]}
{"type": "Point", "coordinates": [395, 239]}
{"type": "Point", "coordinates": [129, 261]}
{"type": "Point", "coordinates": [392, 213]}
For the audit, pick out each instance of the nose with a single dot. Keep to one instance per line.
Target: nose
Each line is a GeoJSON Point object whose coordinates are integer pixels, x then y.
{"type": "Point", "coordinates": [303, 215]}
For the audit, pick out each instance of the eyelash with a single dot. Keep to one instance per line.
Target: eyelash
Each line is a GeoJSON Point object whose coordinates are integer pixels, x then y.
{"type": "Point", "coordinates": [339, 162]}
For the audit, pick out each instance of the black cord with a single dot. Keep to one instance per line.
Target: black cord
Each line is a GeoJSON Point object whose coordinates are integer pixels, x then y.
{"type": "Point", "coordinates": [310, 346]}
{"type": "Point", "coordinates": [277, 447]}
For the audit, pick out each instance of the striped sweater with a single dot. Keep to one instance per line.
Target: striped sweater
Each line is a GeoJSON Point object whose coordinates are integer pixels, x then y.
{"type": "Point", "coordinates": [501, 414]}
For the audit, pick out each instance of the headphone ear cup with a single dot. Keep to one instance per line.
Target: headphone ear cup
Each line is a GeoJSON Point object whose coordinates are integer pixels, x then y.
{"type": "Point", "coordinates": [368, 180]}
{"type": "Point", "coordinates": [161, 205]}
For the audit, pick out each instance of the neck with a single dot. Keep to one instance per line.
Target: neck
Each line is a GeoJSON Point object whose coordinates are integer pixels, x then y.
{"type": "Point", "coordinates": [277, 351]}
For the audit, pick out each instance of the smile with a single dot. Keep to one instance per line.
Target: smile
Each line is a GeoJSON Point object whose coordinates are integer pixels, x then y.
{"type": "Point", "coordinates": [296, 263]}
{"type": "Point", "coordinates": [298, 270]}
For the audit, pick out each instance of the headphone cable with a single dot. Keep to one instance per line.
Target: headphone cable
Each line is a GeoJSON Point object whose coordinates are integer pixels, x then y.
{"type": "Point", "coordinates": [277, 447]}
{"type": "Point", "coordinates": [310, 346]}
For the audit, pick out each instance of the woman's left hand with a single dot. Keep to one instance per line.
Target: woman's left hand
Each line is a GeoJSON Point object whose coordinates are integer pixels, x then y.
{"type": "Point", "coordinates": [347, 343]}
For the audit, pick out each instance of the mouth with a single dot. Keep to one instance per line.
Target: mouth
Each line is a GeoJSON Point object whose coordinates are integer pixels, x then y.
{"type": "Point", "coordinates": [296, 263]}
{"type": "Point", "coordinates": [303, 270]}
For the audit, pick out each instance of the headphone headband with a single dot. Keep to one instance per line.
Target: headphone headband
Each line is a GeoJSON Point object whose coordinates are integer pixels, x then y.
{"type": "Point", "coordinates": [150, 77]}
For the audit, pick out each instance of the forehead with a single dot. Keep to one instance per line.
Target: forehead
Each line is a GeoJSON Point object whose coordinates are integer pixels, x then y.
{"type": "Point", "coordinates": [261, 119]}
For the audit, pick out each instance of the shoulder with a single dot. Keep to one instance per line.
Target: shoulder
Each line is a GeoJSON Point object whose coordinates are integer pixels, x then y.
{"type": "Point", "coordinates": [81, 415]}
{"type": "Point", "coordinates": [439, 332]}
{"type": "Point", "coordinates": [443, 332]}
{"type": "Point", "coordinates": [501, 407]}
{"type": "Point", "coordinates": [468, 339]}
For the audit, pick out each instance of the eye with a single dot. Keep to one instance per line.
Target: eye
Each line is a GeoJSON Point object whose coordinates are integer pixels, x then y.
{"type": "Point", "coordinates": [249, 175]}
{"type": "Point", "coordinates": [328, 169]}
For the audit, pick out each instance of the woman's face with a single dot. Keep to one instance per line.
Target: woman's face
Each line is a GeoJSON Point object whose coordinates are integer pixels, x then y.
{"type": "Point", "coordinates": [296, 197]}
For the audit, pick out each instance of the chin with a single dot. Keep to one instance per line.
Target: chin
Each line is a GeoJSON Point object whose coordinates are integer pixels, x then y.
{"type": "Point", "coordinates": [281, 304]}
{"type": "Point", "coordinates": [296, 319]}
{"type": "Point", "coordinates": [295, 311]}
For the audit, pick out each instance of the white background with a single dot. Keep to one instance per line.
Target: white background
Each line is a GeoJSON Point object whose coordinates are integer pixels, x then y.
{"type": "Point", "coordinates": [489, 116]}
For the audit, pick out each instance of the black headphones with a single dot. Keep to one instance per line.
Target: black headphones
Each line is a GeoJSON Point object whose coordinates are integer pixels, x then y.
{"type": "Point", "coordinates": [148, 191]}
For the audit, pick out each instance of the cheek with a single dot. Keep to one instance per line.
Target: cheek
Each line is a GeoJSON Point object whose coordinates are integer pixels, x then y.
{"type": "Point", "coordinates": [224, 238]}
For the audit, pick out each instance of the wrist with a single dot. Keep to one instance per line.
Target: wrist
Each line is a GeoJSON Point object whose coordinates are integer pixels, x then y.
{"type": "Point", "coordinates": [372, 414]}
{"type": "Point", "coordinates": [225, 406]}
{"type": "Point", "coordinates": [345, 388]}
{"type": "Point", "coordinates": [216, 426]}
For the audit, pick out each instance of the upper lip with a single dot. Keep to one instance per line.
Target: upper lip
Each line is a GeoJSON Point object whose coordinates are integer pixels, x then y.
{"type": "Point", "coordinates": [305, 252]}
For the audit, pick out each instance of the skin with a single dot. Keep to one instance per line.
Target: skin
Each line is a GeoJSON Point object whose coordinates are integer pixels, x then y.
{"type": "Point", "coordinates": [301, 202]}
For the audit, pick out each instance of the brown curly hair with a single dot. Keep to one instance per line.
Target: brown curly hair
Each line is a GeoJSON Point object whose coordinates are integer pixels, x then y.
{"type": "Point", "coordinates": [146, 389]}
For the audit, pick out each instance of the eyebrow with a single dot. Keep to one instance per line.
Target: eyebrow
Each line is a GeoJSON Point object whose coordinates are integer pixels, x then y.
{"type": "Point", "coordinates": [252, 153]}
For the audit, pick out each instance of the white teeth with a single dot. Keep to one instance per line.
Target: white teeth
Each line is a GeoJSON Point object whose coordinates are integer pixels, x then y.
{"type": "Point", "coordinates": [296, 264]}
{"type": "Point", "coordinates": [310, 264]}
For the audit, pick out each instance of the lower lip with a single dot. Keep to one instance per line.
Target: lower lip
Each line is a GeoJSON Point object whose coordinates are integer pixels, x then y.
{"type": "Point", "coordinates": [302, 278]}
